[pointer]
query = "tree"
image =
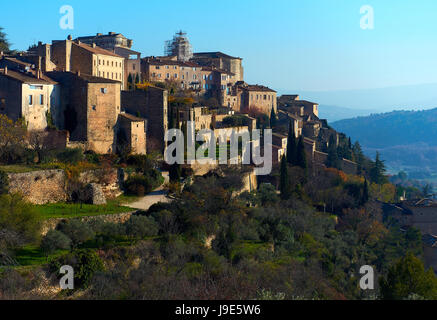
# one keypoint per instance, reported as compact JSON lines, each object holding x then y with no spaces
{"x":55,"y":240}
{"x":78,"y":231}
{"x":301,"y":159}
{"x":141,"y":227}
{"x":130,"y":81}
{"x":19,"y":218}
{"x":273,"y":119}
{"x":408,"y":277}
{"x":291,"y":146}
{"x":365,"y":195}
{"x":175,"y":172}
{"x":333,"y":160}
{"x":12,"y":137}
{"x":4,"y":43}
{"x":358,"y":157}
{"x":4,"y":183}
{"x":137,"y":79}
{"x":284,"y":186}
{"x":377,"y":172}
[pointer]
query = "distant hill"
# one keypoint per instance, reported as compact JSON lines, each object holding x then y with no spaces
{"x":406,"y":139}
{"x":335,"y":113}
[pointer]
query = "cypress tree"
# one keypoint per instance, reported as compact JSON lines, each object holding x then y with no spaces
{"x":273,"y":118}
{"x":333,"y":160}
{"x":365,"y":196}
{"x":377,"y":173}
{"x":284,"y":186}
{"x":137,"y":79}
{"x":291,"y":146}
{"x":301,"y":159}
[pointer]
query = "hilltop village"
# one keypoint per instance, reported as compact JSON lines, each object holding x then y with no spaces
{"x":96,"y":93}
{"x":84,"y":182}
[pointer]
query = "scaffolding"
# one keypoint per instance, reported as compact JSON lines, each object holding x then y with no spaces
{"x":179,"y":46}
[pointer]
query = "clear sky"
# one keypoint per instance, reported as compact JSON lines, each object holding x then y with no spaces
{"x":286,"y":44}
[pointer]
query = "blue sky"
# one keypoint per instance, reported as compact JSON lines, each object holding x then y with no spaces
{"x":309,"y":45}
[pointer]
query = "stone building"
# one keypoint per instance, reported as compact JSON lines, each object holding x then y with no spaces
{"x":120,"y":45}
{"x":187,"y":75}
{"x":23,"y":95}
{"x":222,"y":61}
{"x":89,"y":109}
{"x":134,"y":131}
{"x":254,"y":97}
{"x":150,"y":104}
{"x":75,"y":56}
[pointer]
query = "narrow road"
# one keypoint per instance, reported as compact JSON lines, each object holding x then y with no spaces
{"x":158,"y":195}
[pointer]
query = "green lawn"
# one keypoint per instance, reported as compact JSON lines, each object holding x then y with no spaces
{"x":28,"y":168}
{"x":33,"y":256}
{"x":64,"y":210}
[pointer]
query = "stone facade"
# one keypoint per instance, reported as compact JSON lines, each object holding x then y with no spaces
{"x":89,"y":110}
{"x":134,"y":130}
{"x":151,"y":104}
{"x":222,"y":61}
{"x":29,"y":97}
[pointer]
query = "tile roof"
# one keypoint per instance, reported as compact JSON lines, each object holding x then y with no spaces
{"x":132,"y":117}
{"x":258,"y":88}
{"x":214,"y":55}
{"x":164,"y":62}
{"x":96,"y":50}
{"x":86,"y":77}
{"x":27,"y":78}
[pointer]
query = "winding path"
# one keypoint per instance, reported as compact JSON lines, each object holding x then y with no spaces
{"x":158,"y":195}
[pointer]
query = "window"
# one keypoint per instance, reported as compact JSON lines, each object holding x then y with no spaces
{"x":210,"y":77}
{"x":153,"y":75}
{"x":30,"y":100}
{"x":133,"y":66}
{"x":100,"y":62}
{"x":176,"y":75}
{"x":167,"y":67}
{"x":183,"y":76}
{"x":168,"y":75}
{"x":175,"y":67}
{"x":112,"y":63}
{"x":157,"y":67}
{"x":265,"y":97}
{"x":41,"y":99}
{"x":94,"y":108}
{"x":194,"y":76}
{"x":103,"y":90}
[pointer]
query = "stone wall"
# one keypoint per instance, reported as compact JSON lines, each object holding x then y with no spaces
{"x":39,"y":187}
{"x":49,"y":186}
{"x":51,"y":224}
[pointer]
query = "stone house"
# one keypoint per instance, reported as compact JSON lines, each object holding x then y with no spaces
{"x":150,"y":104}
{"x":255,"y":97}
{"x":23,"y":95}
{"x":233,"y":65}
{"x":75,"y":56}
{"x":134,"y":130}
{"x":89,"y":109}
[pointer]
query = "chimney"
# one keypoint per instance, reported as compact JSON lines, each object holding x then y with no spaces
{"x":38,"y":74}
{"x":78,"y":73}
{"x":6,"y":69}
{"x":94,"y":45}
{"x":69,"y":37}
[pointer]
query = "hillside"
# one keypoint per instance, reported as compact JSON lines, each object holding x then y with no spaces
{"x":406,"y":139}
{"x":336,"y":113}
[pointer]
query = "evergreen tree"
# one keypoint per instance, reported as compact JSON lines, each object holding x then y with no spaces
{"x":407,"y":278}
{"x":4,"y":182}
{"x":301,"y":159}
{"x":365,"y":195}
{"x":358,"y":157}
{"x":284,"y":186}
{"x":4,"y":43}
{"x":130,"y":81}
{"x":291,"y":146}
{"x":273,"y":119}
{"x":377,"y":172}
{"x":175,"y":172}
{"x":137,"y":79}
{"x":333,"y":160}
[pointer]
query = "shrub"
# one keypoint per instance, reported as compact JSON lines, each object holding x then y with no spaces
{"x":141,"y":227}
{"x":55,"y":240}
{"x":4,"y":182}
{"x":72,"y":156}
{"x":78,"y":231}
{"x":138,"y":185}
{"x":85,"y":263}
{"x":19,"y":217}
